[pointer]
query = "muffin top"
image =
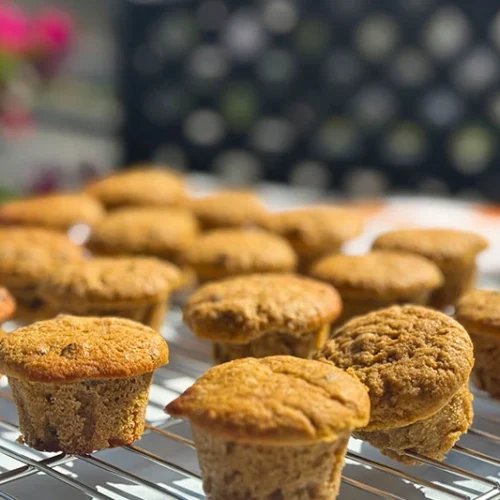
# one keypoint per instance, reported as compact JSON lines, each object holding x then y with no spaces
{"x":160,"y":232}
{"x":7,"y":304}
{"x":479,"y":312}
{"x":138,"y":187}
{"x":111,"y":280}
{"x":243,"y":308}
{"x":69,"y":348}
{"x":227,"y":209}
{"x":29,"y":253}
{"x":380,"y":274}
{"x":55,"y":211}
{"x":279,"y":400}
{"x":313,"y":230}
{"x":436,"y":244}
{"x":412,"y":359}
{"x":224,"y":252}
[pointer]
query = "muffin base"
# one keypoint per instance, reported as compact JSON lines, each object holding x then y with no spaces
{"x":459,"y":278}
{"x":81,"y":417}
{"x":485,"y":374}
{"x":258,"y":472}
{"x":272,"y":344}
{"x":432,"y":437}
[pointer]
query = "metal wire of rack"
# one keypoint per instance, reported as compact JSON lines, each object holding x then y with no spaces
{"x":163,"y":463}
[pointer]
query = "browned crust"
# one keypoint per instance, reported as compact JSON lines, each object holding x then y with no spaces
{"x":278,"y":400}
{"x":479,"y":312}
{"x":7,"y":304}
{"x":69,"y":348}
{"x":243,"y":308}
{"x":379,"y":274}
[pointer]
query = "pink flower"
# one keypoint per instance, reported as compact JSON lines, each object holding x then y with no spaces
{"x":14,"y":28}
{"x":51,"y":32}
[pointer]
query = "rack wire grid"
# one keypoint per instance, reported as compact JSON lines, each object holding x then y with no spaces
{"x":163,"y":463}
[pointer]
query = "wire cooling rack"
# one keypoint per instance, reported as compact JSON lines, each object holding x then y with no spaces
{"x":163,"y":463}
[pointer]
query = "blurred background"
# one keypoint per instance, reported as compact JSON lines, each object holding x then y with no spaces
{"x":361,"y":97}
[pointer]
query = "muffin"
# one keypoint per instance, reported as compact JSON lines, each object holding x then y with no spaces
{"x":137,"y":288}
{"x":234,"y":209}
{"x":270,"y":428}
{"x":416,"y":364}
{"x":315,"y":231}
{"x":262,"y":315}
{"x":377,"y":279}
{"x":479,"y":312}
{"x":81,"y":384}
{"x":138,"y":187}
{"x":228,"y":252}
{"x":7,"y":305}
{"x":27,"y":257}
{"x":55,"y":211}
{"x":454,"y":252}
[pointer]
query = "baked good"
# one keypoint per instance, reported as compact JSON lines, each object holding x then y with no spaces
{"x":315,"y":231}
{"x":27,"y":257}
{"x":81,"y":384}
{"x":7,"y":304}
{"x":413,"y":360}
{"x":138,"y":187}
{"x":479,"y":312}
{"x":227,"y":209}
{"x":377,"y":279}
{"x":137,"y":288}
{"x":58,"y":211}
{"x":221,"y":253}
{"x":262,"y":314}
{"x":453,"y":251}
{"x":282,"y":414}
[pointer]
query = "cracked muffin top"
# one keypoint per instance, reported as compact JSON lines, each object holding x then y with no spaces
{"x":227,"y":209}
{"x":316,"y":229}
{"x":479,"y":312}
{"x":279,"y":400}
{"x":380,"y":274}
{"x":439,"y":245}
{"x":69,"y":349}
{"x":55,"y":211}
{"x":160,"y":232}
{"x":111,"y":280}
{"x":32,"y":253}
{"x":7,"y":304}
{"x":412,"y":359}
{"x":225,"y":252}
{"x":138,"y":187}
{"x":243,"y":308}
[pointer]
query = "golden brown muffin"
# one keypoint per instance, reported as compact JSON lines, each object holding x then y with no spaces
{"x":413,"y":360}
{"x":27,"y":257}
{"x":137,"y":288}
{"x":7,"y":304}
{"x":263,"y":314}
{"x":282,"y":414}
{"x":454,"y":252}
{"x":228,"y":252}
{"x":377,"y":279}
{"x":227,"y":209}
{"x":315,"y":231}
{"x":56,"y":211}
{"x":479,"y":312}
{"x":138,"y":187}
{"x":81,"y":384}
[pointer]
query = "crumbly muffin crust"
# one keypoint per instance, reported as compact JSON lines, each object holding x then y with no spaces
{"x":439,"y":245}
{"x":227,"y":209}
{"x":138,"y":187}
{"x":479,"y":312}
{"x":279,"y":399}
{"x":55,"y":211}
{"x":411,"y":358}
{"x":380,"y":274}
{"x":7,"y":304}
{"x":225,"y":252}
{"x":160,"y":232}
{"x":111,"y":280}
{"x":70,"y":349}
{"x":244,"y":308}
